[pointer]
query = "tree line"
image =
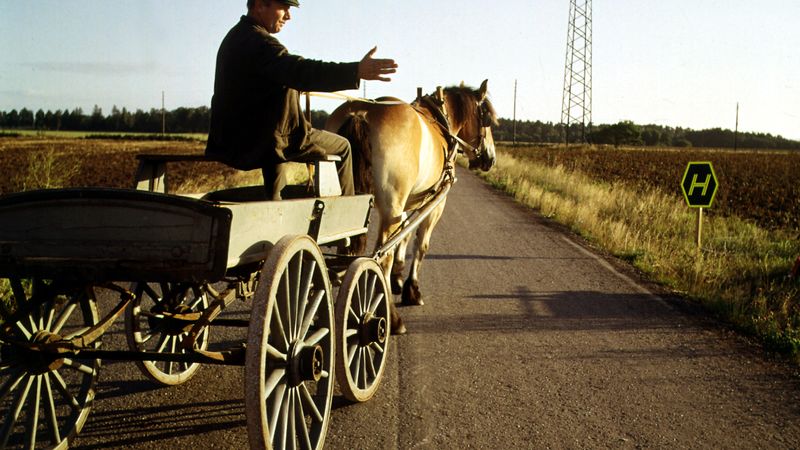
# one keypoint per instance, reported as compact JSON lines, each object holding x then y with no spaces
{"x":196,"y":120}
{"x":629,"y":133}
{"x":180,"y":120}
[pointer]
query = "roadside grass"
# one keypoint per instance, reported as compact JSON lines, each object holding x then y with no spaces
{"x":740,"y":273}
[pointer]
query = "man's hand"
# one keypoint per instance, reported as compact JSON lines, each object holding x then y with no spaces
{"x":374,"y":69}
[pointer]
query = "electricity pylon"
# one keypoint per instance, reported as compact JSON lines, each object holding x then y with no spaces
{"x":576,"y":102}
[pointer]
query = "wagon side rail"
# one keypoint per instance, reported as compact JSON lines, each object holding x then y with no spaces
{"x":112,"y":234}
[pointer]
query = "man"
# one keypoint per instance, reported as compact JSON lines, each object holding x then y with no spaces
{"x":256,"y":118}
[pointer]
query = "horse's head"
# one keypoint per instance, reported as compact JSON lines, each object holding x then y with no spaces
{"x":472,"y":118}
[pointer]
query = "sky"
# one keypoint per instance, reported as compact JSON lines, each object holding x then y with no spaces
{"x":677,"y":63}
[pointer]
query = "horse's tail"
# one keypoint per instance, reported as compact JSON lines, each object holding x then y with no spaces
{"x":356,"y":129}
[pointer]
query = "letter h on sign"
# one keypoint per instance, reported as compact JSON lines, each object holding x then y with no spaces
{"x":699,"y":194}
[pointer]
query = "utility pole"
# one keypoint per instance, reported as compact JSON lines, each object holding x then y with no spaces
{"x":163,"y":116}
{"x":514,"y":138}
{"x":736,"y":130}
{"x":576,"y":101}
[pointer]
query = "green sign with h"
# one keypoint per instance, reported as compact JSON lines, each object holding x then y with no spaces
{"x":699,"y":184}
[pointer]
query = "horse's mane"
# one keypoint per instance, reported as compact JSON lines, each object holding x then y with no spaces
{"x":464,"y":105}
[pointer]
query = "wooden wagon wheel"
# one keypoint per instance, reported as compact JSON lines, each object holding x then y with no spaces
{"x":150,"y":326}
{"x":44,"y":399}
{"x":290,"y":349}
{"x":362,"y":330}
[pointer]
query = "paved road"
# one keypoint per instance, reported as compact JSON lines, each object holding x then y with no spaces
{"x":527,"y":340}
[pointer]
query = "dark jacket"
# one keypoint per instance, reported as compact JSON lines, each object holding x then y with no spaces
{"x":256,"y":118}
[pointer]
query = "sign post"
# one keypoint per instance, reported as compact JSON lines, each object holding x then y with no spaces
{"x":699,"y":185}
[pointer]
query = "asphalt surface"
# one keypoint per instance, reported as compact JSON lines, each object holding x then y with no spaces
{"x":526,"y":340}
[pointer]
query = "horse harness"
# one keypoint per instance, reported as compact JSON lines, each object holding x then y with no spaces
{"x":435,"y":105}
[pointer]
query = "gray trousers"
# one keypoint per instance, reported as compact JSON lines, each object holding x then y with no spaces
{"x":319,"y":142}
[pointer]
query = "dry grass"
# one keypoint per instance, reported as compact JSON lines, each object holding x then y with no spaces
{"x":740,"y":272}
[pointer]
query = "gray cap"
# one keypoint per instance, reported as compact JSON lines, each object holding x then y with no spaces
{"x":294,"y":3}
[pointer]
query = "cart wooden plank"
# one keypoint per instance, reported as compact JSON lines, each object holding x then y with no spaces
{"x":112,"y":234}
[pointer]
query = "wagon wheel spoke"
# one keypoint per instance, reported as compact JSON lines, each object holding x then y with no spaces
{"x":304,"y":438}
{"x":10,"y":418}
{"x":61,"y":386}
{"x":65,"y":315}
{"x":312,"y":312}
{"x":79,"y":366}
{"x":150,"y":326}
{"x":304,"y":316}
{"x":362,"y":331}
{"x":33,"y":413}
{"x":51,"y":410}
{"x":23,"y":330}
{"x":317,"y":336}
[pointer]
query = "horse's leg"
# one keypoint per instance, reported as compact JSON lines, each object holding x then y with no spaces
{"x":399,"y":265}
{"x":387,"y":227}
{"x":411,"y":294}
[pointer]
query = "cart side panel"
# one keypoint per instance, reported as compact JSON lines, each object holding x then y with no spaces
{"x":112,"y":235}
{"x":344,"y":217}
{"x":258,"y":225}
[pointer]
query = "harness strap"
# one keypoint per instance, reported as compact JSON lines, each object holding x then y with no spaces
{"x":436,"y":107}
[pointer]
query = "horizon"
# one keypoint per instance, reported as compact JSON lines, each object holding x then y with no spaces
{"x":677,"y":65}
{"x":552,"y":123}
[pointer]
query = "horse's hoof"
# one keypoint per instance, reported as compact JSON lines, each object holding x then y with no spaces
{"x":397,"y":284}
{"x":411,"y":295}
{"x":399,"y":330}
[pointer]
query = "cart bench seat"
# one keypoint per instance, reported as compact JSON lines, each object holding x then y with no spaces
{"x":151,"y":175}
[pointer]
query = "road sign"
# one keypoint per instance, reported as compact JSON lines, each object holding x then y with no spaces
{"x":699,"y":184}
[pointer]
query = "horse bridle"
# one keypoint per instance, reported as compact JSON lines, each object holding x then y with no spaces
{"x":484,"y":122}
{"x":436,"y":106}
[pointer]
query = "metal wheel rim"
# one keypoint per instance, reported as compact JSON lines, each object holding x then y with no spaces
{"x":142,"y":337}
{"x":361,"y":362}
{"x":283,"y":411}
{"x":41,"y":406}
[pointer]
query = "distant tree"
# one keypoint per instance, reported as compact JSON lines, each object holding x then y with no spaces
{"x":96,"y":120}
{"x":114,"y":121}
{"x":651,"y":136}
{"x":39,"y":123}
{"x":25,"y":118}
{"x":49,"y":120}
{"x":622,"y":133}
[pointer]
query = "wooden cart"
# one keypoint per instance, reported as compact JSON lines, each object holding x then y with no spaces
{"x":174,"y":262}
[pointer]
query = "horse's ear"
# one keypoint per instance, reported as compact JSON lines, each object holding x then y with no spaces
{"x":484,"y":89}
{"x":462,"y":84}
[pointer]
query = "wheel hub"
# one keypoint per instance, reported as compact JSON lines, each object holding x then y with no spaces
{"x":172,"y":326}
{"x":373,"y":329}
{"x":40,"y":361}
{"x":307,"y":363}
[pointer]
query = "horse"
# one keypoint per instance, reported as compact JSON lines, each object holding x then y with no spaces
{"x":402,"y":153}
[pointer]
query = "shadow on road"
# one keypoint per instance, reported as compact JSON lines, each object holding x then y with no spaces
{"x":151,"y":424}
